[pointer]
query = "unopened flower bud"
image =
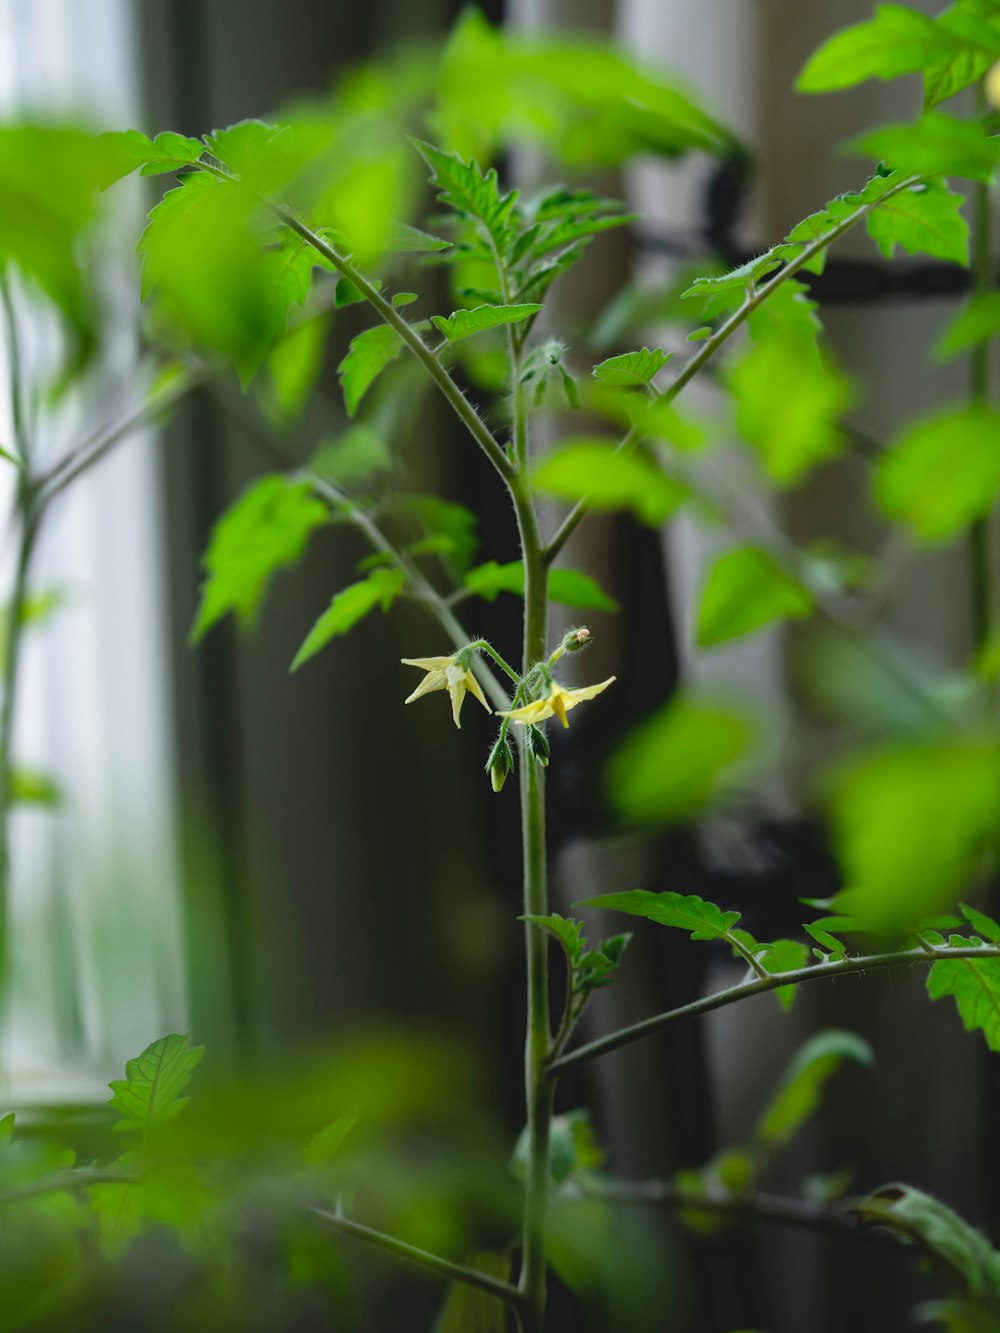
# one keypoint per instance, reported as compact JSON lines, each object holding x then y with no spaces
{"x":538,"y":744}
{"x":575,"y":639}
{"x":500,"y":763}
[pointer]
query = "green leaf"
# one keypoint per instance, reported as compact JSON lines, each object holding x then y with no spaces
{"x":981,"y":923}
{"x":128,"y":149}
{"x":451,"y":527}
{"x":566,"y":930}
{"x":632,"y":367}
{"x":353,"y":458}
{"x":368,"y":355}
{"x":410,"y":240}
{"x":380,"y":588}
{"x":788,"y":401}
{"x":977,"y":322}
{"x":265,"y":530}
{"x":169,"y":1193}
{"x":148,"y":1096}
{"x":784,"y":956}
{"x":974,"y":984}
{"x":942,"y":473}
{"x":31,"y":788}
{"x":936,"y":145}
{"x":799,"y":1092}
{"x":595,"y":471}
{"x":464,"y":323}
{"x":737,"y":281}
{"x":568,"y":586}
{"x":687,"y":912}
{"x":326,"y":1143}
{"x":910,"y":822}
{"x":745,"y":589}
{"x":677,"y":761}
{"x":293,"y":367}
{"x":573,"y":1147}
{"x":788,"y":312}
{"x":924,"y":219}
{"x":473,"y":194}
{"x":917,"y":1217}
{"x":896,"y":41}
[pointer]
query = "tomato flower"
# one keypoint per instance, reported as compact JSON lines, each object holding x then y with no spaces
{"x":556,"y":703}
{"x":447,"y":673}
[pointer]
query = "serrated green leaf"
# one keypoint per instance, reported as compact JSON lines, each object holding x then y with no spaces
{"x":632,"y":367}
{"x":977,"y":322}
{"x":464,"y":187}
{"x":368,"y":355}
{"x":129,"y":149}
{"x":981,"y":923}
{"x":677,"y":761}
{"x":798,"y":1094}
{"x":148,"y":1096}
{"x":265,"y":530}
{"x":607,"y":478}
{"x":405,"y":239}
{"x":464,"y":323}
{"x":746,"y":589}
{"x":380,"y":588}
{"x":784,"y":956}
{"x":788,"y":312}
{"x":924,"y":219}
{"x":788,"y":401}
{"x":896,"y":41}
{"x":909,"y":825}
{"x":974,"y":984}
{"x":687,"y":912}
{"x":942,"y":473}
{"x":736,"y":280}
{"x":568,"y":586}
{"x":936,"y":145}
{"x":566,"y":930}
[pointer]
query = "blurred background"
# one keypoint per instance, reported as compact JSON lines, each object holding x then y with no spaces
{"x":279,"y":863}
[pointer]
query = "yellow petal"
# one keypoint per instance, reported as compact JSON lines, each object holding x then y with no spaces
{"x":473,"y":686}
{"x":533,"y":712}
{"x":427,"y":663}
{"x":434,"y":680}
{"x":559,"y":701}
{"x":456,"y":688}
{"x":574,"y":697}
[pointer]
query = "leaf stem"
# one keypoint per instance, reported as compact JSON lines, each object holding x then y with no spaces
{"x":471,"y":1277}
{"x":773,"y":981}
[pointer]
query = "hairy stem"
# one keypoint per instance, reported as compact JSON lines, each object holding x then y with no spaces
{"x":800,"y":976}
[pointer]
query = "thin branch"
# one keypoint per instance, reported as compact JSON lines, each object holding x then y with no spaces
{"x":722,"y":335}
{"x":472,"y":1277}
{"x":775,"y":1209}
{"x":800,"y":976}
{"x":79,"y":1179}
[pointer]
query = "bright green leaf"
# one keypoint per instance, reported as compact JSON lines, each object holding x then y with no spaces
{"x":568,"y":586}
{"x":896,"y":41}
{"x":369,"y":354}
{"x":380,"y":588}
{"x":678,"y":761}
{"x":924,"y":219}
{"x":632,"y":367}
{"x":703,"y":920}
{"x":353,"y":458}
{"x":464,"y":323}
{"x":974,"y":984}
{"x":747,"y":588}
{"x":942,"y":473}
{"x":977,"y":322}
{"x":265,"y":530}
{"x":473,"y":194}
{"x":936,"y":145}
{"x":784,"y":956}
{"x":607,"y":478}
{"x":30,"y":788}
{"x":148,"y":1096}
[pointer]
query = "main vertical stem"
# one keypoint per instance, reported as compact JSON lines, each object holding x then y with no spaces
{"x":538,"y":1085}
{"x":980,"y":553}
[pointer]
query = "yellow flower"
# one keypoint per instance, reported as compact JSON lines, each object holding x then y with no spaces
{"x":557,"y":703}
{"x":446,"y":673}
{"x":992,"y":85}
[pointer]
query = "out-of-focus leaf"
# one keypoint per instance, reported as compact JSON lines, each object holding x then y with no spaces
{"x":607,"y":478}
{"x":800,"y":1090}
{"x":746,"y":589}
{"x":568,"y":586}
{"x":31,"y":788}
{"x":976,"y":323}
{"x":788,"y":401}
{"x":368,"y":355}
{"x":936,"y":145}
{"x":149,"y":1094}
{"x":380,"y":588}
{"x":942,"y":473}
{"x":678,"y":761}
{"x":910,"y":823}
{"x":573,"y":1147}
{"x":326,"y":1143}
{"x":450,"y":526}
{"x":353,"y":458}
{"x":896,"y":41}
{"x":292,"y":369}
{"x":265,"y":530}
